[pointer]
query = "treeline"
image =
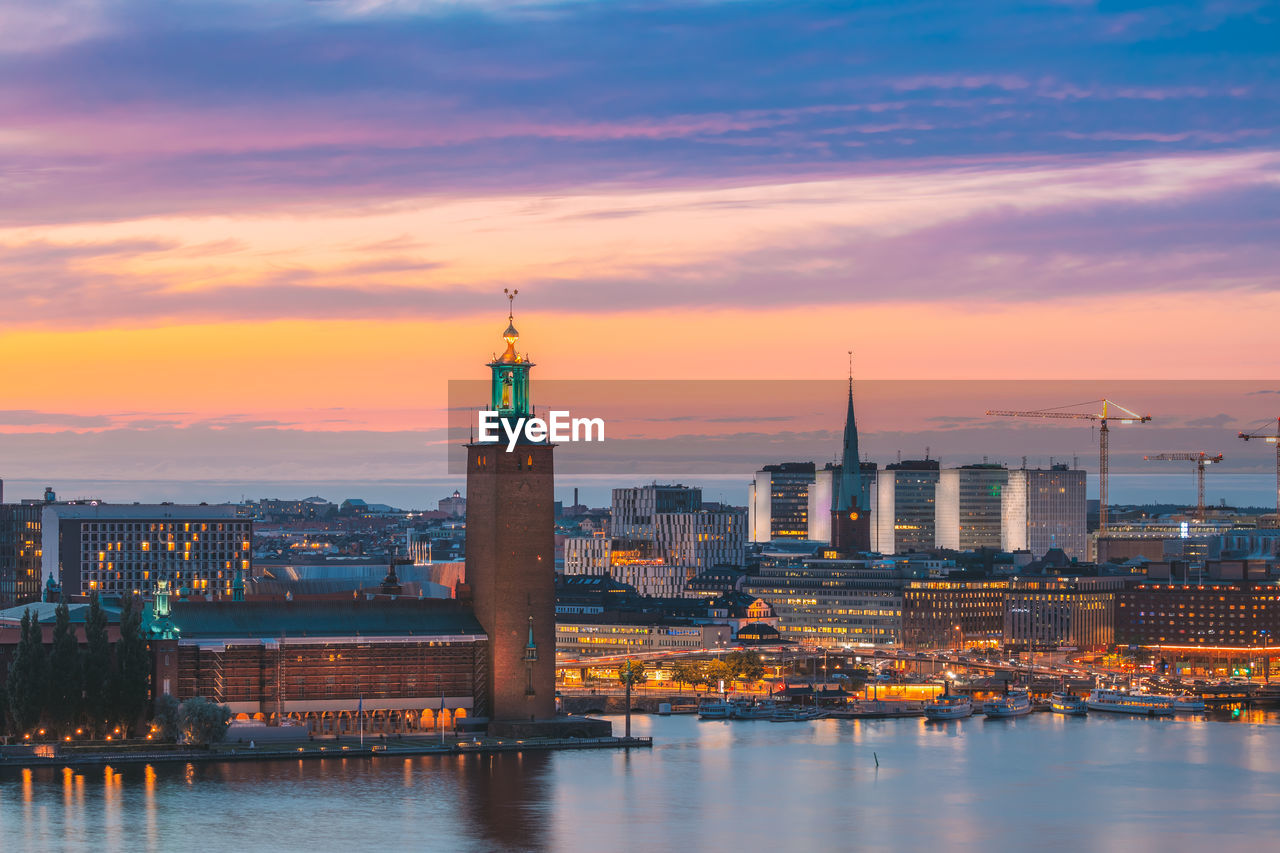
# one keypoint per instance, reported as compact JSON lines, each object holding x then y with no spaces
{"x":734,"y":666}
{"x":64,"y":687}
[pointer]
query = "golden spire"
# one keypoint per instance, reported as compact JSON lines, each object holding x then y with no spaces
{"x":510,"y":335}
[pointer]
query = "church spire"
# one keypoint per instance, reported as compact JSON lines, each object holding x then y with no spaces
{"x":850,"y":492}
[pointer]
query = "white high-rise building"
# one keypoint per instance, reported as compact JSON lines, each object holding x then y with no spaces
{"x":905,"y":506}
{"x":1045,"y":509}
{"x":779,"y":502}
{"x":968,"y":512}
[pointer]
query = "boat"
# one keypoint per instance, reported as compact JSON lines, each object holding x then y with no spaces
{"x":948,"y":706}
{"x":791,"y":715}
{"x":714,"y":709}
{"x":1067,"y":703}
{"x":1012,"y":704}
{"x":756,"y":711}
{"x":1124,"y":702}
{"x":1188,"y":704}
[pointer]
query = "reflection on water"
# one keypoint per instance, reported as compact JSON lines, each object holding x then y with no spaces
{"x":1042,"y":781}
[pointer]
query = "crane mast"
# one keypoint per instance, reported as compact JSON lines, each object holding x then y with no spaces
{"x":1202,"y":460}
{"x":1269,"y":438}
{"x":1110,"y":411}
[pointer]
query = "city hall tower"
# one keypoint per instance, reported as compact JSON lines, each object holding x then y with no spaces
{"x":510,"y":563}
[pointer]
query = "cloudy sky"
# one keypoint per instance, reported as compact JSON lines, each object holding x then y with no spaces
{"x":251,"y":242}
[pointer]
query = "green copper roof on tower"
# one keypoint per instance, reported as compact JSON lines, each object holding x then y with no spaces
{"x":510,"y":387}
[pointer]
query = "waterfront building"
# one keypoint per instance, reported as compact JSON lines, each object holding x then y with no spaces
{"x":969,"y":506}
{"x":125,"y":548}
{"x":953,"y":614}
{"x":584,"y":637}
{"x":1045,"y":509}
{"x":905,"y":512}
{"x":1076,"y":612}
{"x":835,"y":602}
{"x":778,"y":507}
{"x":408,"y":664}
{"x":1221,"y":607}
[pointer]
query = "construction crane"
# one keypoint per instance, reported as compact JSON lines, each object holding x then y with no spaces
{"x":1270,"y":438}
{"x":1108,"y":413}
{"x":1201,"y":459}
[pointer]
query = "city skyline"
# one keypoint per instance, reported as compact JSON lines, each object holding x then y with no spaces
{"x":299,"y":256}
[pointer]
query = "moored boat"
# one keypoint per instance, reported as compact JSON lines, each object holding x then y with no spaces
{"x":714,"y":709}
{"x":763,"y":710}
{"x":1067,"y":703}
{"x":948,"y":706}
{"x":1124,"y":702}
{"x":1012,"y":704}
{"x":1187,"y":704}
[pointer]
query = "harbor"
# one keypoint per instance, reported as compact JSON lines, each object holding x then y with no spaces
{"x":1176,"y":782}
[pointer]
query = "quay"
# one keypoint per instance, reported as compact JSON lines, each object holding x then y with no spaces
{"x":400,"y":748}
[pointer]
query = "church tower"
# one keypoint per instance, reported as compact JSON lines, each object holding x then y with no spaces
{"x":510,"y":564}
{"x":850,"y":512}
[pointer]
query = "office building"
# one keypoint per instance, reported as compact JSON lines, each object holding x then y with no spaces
{"x":938,"y":614}
{"x":1045,"y":509}
{"x":905,"y":512}
{"x":778,"y":507}
{"x":1074,"y":612}
{"x":583,"y":637}
{"x":969,"y":507}
{"x":835,"y":602}
{"x":126,"y":548}
{"x":659,"y":539}
{"x":636,"y":509}
{"x":20,"y":553}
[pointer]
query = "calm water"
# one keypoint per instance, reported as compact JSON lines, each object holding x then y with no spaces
{"x":1043,"y":781}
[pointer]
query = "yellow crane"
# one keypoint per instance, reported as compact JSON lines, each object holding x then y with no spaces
{"x":1270,"y":438}
{"x":1202,"y":460}
{"x":1111,"y":411}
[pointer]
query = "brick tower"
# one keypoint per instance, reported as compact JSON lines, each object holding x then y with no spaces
{"x":511,"y":551}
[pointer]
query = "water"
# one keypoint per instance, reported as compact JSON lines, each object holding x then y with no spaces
{"x":1042,"y":781}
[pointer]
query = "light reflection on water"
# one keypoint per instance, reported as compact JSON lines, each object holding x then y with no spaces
{"x":1044,"y":781}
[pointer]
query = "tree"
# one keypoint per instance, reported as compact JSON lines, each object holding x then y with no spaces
{"x":28,"y":683}
{"x":97,"y":668}
{"x":169,"y":717}
{"x":204,"y":722}
{"x":685,"y":672}
{"x":746,"y":666}
{"x":133,"y":667}
{"x":66,"y":674}
{"x":630,"y":674}
{"x":718,"y":671}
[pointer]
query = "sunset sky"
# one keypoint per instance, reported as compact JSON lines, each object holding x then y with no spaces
{"x":244,"y":246}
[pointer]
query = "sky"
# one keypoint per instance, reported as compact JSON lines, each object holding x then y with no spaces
{"x":247,"y":245}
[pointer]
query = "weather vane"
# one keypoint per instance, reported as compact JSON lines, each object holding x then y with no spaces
{"x":511,"y":299}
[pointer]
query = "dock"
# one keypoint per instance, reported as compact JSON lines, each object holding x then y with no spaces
{"x":317,"y":750}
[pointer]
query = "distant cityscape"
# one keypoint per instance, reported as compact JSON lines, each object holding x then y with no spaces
{"x":844,"y":558}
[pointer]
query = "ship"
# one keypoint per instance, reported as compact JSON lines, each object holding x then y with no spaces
{"x":1123,"y":702}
